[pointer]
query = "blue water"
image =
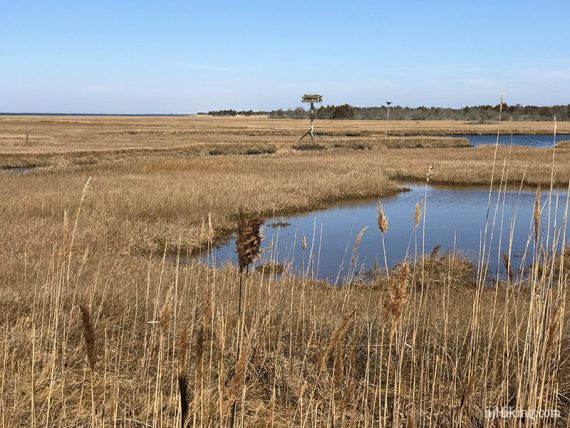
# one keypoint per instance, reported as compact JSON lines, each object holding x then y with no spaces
{"x":455,"y":220}
{"x":516,"y":140}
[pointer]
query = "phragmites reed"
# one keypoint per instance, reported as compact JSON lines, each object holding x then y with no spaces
{"x":552,"y":331}
{"x":65,"y":225}
{"x":417,"y":214}
{"x":466,"y":395}
{"x":357,"y":244}
{"x":183,"y":348}
{"x":537,"y":216}
{"x":336,"y":338}
{"x":248,"y":243}
{"x":85,"y":189}
{"x":397,"y":295}
{"x":507,"y":263}
{"x":358,"y":239}
{"x":248,"y":248}
{"x":429,"y":174}
{"x":88,"y":337}
{"x":382,"y":219}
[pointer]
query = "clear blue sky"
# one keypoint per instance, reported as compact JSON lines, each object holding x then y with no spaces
{"x":187,"y":56}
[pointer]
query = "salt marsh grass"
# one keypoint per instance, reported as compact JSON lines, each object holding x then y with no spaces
{"x":102,"y":325}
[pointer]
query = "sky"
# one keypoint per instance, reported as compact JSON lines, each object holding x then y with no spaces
{"x":190,"y":56}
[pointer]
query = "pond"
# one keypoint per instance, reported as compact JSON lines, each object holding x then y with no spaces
{"x":515,"y":140}
{"x":454,"y":220}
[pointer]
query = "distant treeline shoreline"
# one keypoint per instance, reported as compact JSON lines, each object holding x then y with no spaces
{"x":481,"y":113}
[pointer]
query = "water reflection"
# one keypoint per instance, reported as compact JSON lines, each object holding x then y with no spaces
{"x":455,"y":219}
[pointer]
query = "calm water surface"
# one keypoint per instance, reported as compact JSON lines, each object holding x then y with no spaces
{"x":517,"y":140}
{"x":455,"y":220}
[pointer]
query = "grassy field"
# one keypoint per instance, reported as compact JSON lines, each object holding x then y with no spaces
{"x":47,"y":133}
{"x":101,"y":326}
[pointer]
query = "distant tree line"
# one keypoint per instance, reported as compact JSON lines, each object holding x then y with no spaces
{"x":481,"y":113}
{"x":231,"y":112}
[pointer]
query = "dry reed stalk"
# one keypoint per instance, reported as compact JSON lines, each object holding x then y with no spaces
{"x":397,"y":296}
{"x":165,"y":317}
{"x":466,"y":395}
{"x":83,"y":196}
{"x":553,"y":331}
{"x":238,"y":380}
{"x":357,"y":244}
{"x":537,"y":216}
{"x":183,"y":348}
{"x":336,"y":337}
{"x":375,"y":267}
{"x":88,"y":337}
{"x":383,"y":227}
{"x":65,"y":225}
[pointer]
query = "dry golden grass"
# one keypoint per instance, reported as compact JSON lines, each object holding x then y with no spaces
{"x":61,"y":133}
{"x":47,"y":134}
{"x":98,"y":329}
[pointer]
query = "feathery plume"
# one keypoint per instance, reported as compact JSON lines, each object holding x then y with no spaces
{"x":417,"y":214}
{"x":358,"y":239}
{"x":430,"y":173}
{"x":85,"y":190}
{"x":382,"y":219}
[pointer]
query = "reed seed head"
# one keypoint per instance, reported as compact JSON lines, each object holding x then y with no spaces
{"x":382,"y":219}
{"x":417,"y":214}
{"x":248,"y":243}
{"x":85,"y":189}
{"x":359,"y":238}
{"x":430,"y":173}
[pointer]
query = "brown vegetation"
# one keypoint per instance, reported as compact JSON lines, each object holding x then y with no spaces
{"x":103,"y":324}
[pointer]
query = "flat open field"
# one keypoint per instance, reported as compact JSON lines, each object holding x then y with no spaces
{"x":73,"y":133}
{"x":425,"y":345}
